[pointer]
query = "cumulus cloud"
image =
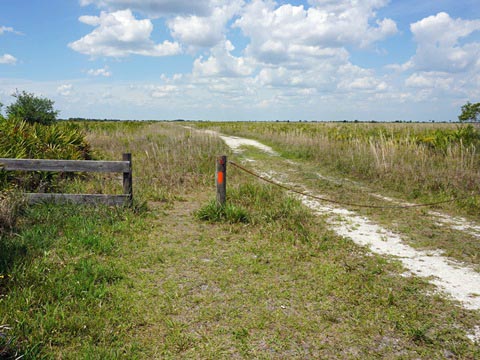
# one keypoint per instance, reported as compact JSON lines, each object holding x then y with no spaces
{"x":439,"y":45}
{"x":100,"y":72}
{"x":155,"y":8}
{"x":293,"y":53}
{"x":120,"y":34}
{"x":446,"y":61}
{"x":278,"y":33}
{"x":8,"y":59}
{"x":204,"y":31}
{"x":222,"y":63}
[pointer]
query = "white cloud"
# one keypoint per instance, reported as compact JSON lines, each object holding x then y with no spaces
{"x":279,"y":33}
{"x":120,"y":34}
{"x":100,"y":72}
{"x":207,"y":31}
{"x":155,"y":8}
{"x":438,"y":44}
{"x":164,"y":91}
{"x":293,"y":61}
{"x":4,"y":29}
{"x":65,"y":89}
{"x":222,"y":63}
{"x":8,"y":29}
{"x":8,"y":59}
{"x":446,"y":62}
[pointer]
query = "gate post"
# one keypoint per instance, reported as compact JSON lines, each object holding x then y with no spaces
{"x":128,"y":179}
{"x":221,"y":180}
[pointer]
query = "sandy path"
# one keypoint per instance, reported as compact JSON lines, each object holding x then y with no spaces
{"x":453,"y":278}
{"x":453,"y":222}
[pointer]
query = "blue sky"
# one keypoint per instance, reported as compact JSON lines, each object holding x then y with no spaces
{"x":244,"y":59}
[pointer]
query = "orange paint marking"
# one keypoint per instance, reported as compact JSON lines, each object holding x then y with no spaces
{"x":220,"y":177}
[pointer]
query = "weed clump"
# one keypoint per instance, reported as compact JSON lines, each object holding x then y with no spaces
{"x":11,"y":205}
{"x":230,"y":213}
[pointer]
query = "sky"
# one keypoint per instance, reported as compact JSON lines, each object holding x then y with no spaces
{"x":227,"y":60}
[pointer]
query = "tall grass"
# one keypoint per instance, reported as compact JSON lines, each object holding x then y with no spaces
{"x":428,"y":161}
{"x":168,"y":160}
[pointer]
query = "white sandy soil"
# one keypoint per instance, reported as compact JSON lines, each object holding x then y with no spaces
{"x":453,"y":278}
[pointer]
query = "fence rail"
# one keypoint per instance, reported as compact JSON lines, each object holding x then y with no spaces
{"x":64,"y":165}
{"x":124,"y":166}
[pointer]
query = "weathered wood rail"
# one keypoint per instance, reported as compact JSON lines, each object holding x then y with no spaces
{"x":124,"y":166}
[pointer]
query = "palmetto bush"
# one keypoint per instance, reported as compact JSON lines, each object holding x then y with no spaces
{"x":21,"y":140}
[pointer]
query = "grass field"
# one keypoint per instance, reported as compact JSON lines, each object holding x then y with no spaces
{"x":172,"y":279}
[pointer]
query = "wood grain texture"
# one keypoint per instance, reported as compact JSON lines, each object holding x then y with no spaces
{"x":64,"y":165}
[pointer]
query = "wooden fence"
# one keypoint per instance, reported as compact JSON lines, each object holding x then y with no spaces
{"x":124,"y":166}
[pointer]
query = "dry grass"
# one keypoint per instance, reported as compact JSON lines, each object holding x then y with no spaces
{"x":168,"y":160}
{"x":421,"y":161}
{"x":11,"y":205}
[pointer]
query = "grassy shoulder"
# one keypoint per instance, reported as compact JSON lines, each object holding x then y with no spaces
{"x":421,"y":162}
{"x":417,"y":226}
{"x":64,"y":280}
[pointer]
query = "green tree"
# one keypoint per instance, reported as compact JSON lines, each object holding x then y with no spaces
{"x":470,"y":112}
{"x":32,"y":109}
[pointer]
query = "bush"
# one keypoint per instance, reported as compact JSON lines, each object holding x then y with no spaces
{"x":470,"y":112}
{"x":21,"y":140}
{"x":32,"y":109}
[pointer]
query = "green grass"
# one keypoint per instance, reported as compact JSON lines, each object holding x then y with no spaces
{"x":214,"y":212}
{"x":100,"y":283}
{"x":419,"y":161}
{"x":61,"y":274}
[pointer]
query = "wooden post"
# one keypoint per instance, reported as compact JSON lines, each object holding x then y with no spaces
{"x":221,"y":179}
{"x":128,"y":178}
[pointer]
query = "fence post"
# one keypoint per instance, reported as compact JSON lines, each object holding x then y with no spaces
{"x":221,"y":179}
{"x":128,"y":179}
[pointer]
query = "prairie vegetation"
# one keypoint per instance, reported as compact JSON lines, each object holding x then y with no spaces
{"x":30,"y":131}
{"x":426,"y":162}
{"x":265,"y":279}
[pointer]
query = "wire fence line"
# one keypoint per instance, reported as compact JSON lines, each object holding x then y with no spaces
{"x":320,"y":198}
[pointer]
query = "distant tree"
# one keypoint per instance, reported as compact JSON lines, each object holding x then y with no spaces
{"x":470,"y":112}
{"x":32,"y":109}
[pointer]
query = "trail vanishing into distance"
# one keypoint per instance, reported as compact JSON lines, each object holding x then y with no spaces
{"x":456,"y":279}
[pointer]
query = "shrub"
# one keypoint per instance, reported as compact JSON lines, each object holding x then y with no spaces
{"x":470,"y":112}
{"x":32,"y":109}
{"x":21,"y":140}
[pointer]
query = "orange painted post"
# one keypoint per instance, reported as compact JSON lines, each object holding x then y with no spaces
{"x":221,"y":180}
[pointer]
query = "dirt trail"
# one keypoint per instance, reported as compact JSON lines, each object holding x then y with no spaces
{"x":453,"y":278}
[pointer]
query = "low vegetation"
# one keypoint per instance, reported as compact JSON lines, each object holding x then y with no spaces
{"x":427,"y":162}
{"x":30,"y":131}
{"x":177,"y":277}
